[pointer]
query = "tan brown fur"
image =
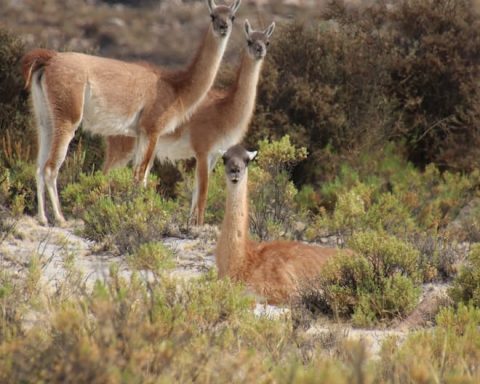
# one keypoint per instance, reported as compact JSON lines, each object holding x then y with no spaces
{"x":114,"y":97}
{"x":34,"y":60}
{"x":274,"y":270}
{"x":221,"y":121}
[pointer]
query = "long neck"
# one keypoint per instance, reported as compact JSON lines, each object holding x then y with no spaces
{"x":231,"y":246}
{"x":196,"y":80}
{"x":242,"y":95}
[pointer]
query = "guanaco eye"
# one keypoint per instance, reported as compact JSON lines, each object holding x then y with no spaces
{"x":233,"y":18}
{"x":267,"y":43}
{"x":249,"y":42}
{"x":212,"y":17}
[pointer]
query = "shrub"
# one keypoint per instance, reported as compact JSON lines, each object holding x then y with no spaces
{"x":362,"y":77}
{"x":466,"y":285}
{"x":166,"y":330}
{"x":17,"y":188}
{"x":152,"y":256}
{"x":434,"y":75}
{"x":378,"y":283}
{"x":18,"y":292}
{"x":117,"y":211}
{"x":15,"y":131}
{"x":446,"y":353}
{"x":273,"y":207}
{"x":383,"y":192}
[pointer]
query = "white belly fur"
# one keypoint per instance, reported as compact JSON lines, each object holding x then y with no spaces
{"x":174,"y":149}
{"x":225,"y":142}
{"x":101,"y":119}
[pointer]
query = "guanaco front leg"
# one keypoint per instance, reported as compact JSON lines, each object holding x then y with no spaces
{"x":199,"y":200}
{"x":202,"y":177}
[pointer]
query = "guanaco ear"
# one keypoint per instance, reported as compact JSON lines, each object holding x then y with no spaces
{"x":222,"y":153}
{"x":251,"y":155}
{"x":235,"y":6}
{"x":268,"y":32}
{"x":211,"y":5}
{"x":248,"y":28}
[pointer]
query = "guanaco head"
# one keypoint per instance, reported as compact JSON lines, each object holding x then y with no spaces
{"x":258,"y":41}
{"x":236,"y":160}
{"x":222,"y":17}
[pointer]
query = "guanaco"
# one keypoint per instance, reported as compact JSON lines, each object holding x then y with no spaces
{"x":221,"y":121}
{"x":111,"y":97}
{"x":273,"y":270}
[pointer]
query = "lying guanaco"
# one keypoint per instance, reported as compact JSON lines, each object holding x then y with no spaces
{"x":273,"y":270}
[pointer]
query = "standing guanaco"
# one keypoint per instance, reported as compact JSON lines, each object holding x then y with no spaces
{"x":221,"y":121}
{"x":111,"y":97}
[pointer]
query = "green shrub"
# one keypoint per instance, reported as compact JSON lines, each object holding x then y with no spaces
{"x":466,"y":285}
{"x":432,"y":211}
{"x":15,"y":128}
{"x":165,"y":330}
{"x":386,"y":254}
{"x":17,"y":188}
{"x":394,"y":298}
{"x":448,"y":353}
{"x":152,"y":257}
{"x":378,"y":283}
{"x":18,"y":292}
{"x":117,"y":211}
{"x":273,"y":207}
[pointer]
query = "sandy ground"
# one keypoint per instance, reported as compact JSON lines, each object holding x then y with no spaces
{"x":55,"y":246}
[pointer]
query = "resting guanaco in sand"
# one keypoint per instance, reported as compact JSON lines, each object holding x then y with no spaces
{"x":273,"y":270}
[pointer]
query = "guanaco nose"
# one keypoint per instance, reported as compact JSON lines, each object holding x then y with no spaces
{"x":235,"y":172}
{"x":223,"y":28}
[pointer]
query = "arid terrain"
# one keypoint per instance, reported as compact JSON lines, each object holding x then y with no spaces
{"x":56,"y":246}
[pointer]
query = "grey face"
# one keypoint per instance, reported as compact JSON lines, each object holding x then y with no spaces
{"x":236,"y":160}
{"x":258,"y":41}
{"x":222,"y":17}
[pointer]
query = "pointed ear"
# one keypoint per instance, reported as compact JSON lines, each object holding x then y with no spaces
{"x":252,"y":155}
{"x":222,"y":153}
{"x":211,"y":5}
{"x":248,"y":28}
{"x":268,"y":32}
{"x":235,"y":6}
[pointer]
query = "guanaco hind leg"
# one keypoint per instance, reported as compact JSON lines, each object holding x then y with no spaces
{"x":54,"y":136}
{"x":202,"y":177}
{"x":57,"y":154}
{"x":144,"y":156}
